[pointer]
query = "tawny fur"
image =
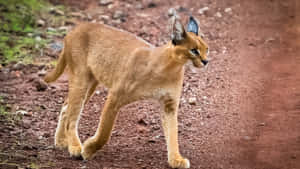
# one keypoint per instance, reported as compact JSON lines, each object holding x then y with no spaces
{"x":132,"y":69}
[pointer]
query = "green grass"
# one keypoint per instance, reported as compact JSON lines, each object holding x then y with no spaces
{"x":8,"y":116}
{"x":2,"y":108}
{"x":3,"y":112}
{"x":20,"y":38}
{"x":53,"y":63}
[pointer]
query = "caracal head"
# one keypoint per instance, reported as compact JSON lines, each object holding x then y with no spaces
{"x":187,"y":44}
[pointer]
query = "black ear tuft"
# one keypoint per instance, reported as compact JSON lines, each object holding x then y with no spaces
{"x":193,"y":26}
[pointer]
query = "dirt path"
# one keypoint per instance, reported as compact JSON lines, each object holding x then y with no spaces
{"x":247,"y":114}
{"x":277,"y":137}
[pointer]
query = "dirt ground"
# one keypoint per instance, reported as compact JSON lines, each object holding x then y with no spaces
{"x":247,"y":114}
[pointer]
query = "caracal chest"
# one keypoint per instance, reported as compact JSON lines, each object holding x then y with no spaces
{"x":148,"y":80}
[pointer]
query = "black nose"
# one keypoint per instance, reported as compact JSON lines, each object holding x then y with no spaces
{"x":204,"y":62}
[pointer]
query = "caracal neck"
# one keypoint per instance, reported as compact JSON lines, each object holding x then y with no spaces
{"x":167,"y":61}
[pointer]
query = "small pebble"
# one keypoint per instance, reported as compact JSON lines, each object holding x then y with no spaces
{"x":56,"y":12}
{"x":42,"y":72}
{"x":142,"y":121}
{"x":40,"y":85}
{"x":192,"y":100}
{"x":152,"y":5}
{"x":203,"y":10}
{"x":50,"y":29}
{"x":77,"y":15}
{"x":40,"y":23}
{"x":110,"y":6}
{"x":248,"y":138}
{"x":118,"y":14}
{"x":56,"y":46}
{"x":104,"y":17}
{"x":105,"y":2}
{"x":18,"y":66}
{"x":152,"y":140}
{"x":63,"y":28}
{"x":38,"y":38}
{"x":139,"y":6}
{"x":218,"y":14}
{"x":228,"y":10}
{"x":22,"y":112}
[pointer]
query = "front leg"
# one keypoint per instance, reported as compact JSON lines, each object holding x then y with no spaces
{"x":169,"y":123}
{"x":102,"y":135}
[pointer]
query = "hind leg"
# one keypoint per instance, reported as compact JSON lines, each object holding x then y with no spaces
{"x":61,"y":140}
{"x":66,"y":133}
{"x":78,"y":88}
{"x":60,"y":135}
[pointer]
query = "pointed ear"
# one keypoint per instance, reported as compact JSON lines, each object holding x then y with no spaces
{"x":193,"y":25}
{"x":178,"y":32}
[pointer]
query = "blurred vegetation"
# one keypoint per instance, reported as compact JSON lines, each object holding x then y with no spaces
{"x":20,"y":37}
{"x":5,"y":113}
{"x":8,"y":117}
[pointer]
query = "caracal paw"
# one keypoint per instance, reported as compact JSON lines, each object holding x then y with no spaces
{"x":179,"y":162}
{"x":75,"y":151}
{"x":60,"y":143}
{"x":89,"y":149}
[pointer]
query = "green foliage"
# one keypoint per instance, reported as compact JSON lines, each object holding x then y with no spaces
{"x":19,"y":48}
{"x":19,"y":15}
{"x":3,"y":112}
{"x":53,"y":63}
{"x":34,"y":165}
{"x":20,"y":38}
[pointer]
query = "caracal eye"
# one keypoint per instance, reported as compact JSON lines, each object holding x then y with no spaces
{"x":195,"y":51}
